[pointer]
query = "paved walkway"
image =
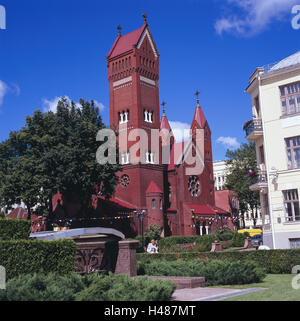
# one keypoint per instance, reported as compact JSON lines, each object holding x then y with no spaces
{"x":208,"y":294}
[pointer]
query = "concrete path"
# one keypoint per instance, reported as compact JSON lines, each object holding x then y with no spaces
{"x":209,"y":294}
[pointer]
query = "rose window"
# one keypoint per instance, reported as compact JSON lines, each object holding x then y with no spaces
{"x":194,"y":186}
{"x":125,"y":180}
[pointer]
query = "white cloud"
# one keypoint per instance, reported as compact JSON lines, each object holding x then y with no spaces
{"x":51,"y":105}
{"x":255,"y":15}
{"x":229,"y":142}
{"x":3,"y":91}
{"x":180,"y":130}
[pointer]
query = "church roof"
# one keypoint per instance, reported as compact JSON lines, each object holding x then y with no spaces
{"x":125,"y":43}
{"x":202,"y":209}
{"x":153,"y":188}
{"x":199,"y":117}
{"x":164,"y":123}
{"x":287,"y":62}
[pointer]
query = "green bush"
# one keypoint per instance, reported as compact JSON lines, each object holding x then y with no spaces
{"x":273,"y":261}
{"x":153,"y":232}
{"x":203,"y":242}
{"x":216,"y":272}
{"x":29,"y":256}
{"x":72,"y":287}
{"x":124,"y":288}
{"x":239,"y":239}
{"x":43,"y":287}
{"x":2,"y":214}
{"x":14,"y":229}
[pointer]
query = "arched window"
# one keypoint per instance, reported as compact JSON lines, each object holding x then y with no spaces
{"x":153,"y":204}
{"x":129,"y":61}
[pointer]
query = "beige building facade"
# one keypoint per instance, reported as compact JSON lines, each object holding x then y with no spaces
{"x":275,"y":129}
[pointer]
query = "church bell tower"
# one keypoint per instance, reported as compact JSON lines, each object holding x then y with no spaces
{"x":133,"y":74}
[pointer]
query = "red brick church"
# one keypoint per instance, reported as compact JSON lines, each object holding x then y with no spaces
{"x":152,"y":191}
{"x":180,"y":204}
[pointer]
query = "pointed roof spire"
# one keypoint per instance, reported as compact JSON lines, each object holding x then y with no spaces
{"x":145,"y":18}
{"x":163,"y":105}
{"x":199,"y":116}
{"x":164,"y":123}
{"x":197,"y":95}
{"x":119,"y":30}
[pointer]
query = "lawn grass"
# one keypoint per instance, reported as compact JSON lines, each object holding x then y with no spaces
{"x":278,"y":288}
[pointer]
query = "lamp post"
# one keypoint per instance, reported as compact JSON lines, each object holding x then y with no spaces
{"x":141,"y":218}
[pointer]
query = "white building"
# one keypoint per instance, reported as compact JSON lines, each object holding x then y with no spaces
{"x":275,"y":129}
{"x":220,"y":172}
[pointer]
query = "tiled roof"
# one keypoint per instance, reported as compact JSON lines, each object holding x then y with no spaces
{"x":153,"y":188}
{"x":287,"y":62}
{"x":164,"y":123}
{"x":117,"y":202}
{"x":126,"y":42}
{"x":199,"y":117}
{"x":201,"y":209}
{"x":21,"y":213}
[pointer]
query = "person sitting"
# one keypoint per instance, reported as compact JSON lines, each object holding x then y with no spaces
{"x":152,"y":247}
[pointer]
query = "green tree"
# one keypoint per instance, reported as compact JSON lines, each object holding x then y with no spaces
{"x":241,"y":174}
{"x":55,"y":151}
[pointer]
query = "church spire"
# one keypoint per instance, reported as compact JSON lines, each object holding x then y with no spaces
{"x":199,"y":117}
{"x":165,"y":127}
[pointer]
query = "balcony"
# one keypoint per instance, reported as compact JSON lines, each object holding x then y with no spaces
{"x":260,"y":182}
{"x":253,"y":129}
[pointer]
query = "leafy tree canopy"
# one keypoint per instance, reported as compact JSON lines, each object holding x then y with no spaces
{"x":241,"y":174}
{"x":55,"y":151}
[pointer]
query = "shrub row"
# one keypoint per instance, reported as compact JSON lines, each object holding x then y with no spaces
{"x":93,"y":287}
{"x":216,"y":272}
{"x":204,"y":242}
{"x":29,"y":256}
{"x":273,"y":261}
{"x":14,"y":229}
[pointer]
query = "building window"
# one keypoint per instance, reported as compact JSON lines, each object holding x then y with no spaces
{"x":290,"y":99}
{"x":153,"y":204}
{"x":148,"y":116}
{"x":294,"y":243}
{"x":124,"y":117}
{"x":160,"y":204}
{"x":149,"y":158}
{"x":125,"y":158}
{"x":291,"y":204}
{"x":293,"y":152}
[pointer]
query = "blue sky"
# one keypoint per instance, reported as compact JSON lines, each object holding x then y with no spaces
{"x":54,"y":48}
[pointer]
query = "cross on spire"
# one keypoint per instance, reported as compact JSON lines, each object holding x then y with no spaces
{"x":145,"y":17}
{"x":119,"y":30}
{"x":197,"y":95}
{"x":163,"y":105}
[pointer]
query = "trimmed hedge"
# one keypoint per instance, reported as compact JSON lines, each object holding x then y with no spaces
{"x":93,"y":287}
{"x":273,"y":261}
{"x":203,"y":242}
{"x":216,"y":272}
{"x":14,"y":229}
{"x":29,"y":256}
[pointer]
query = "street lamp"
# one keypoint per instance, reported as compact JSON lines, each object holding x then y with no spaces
{"x":141,"y":218}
